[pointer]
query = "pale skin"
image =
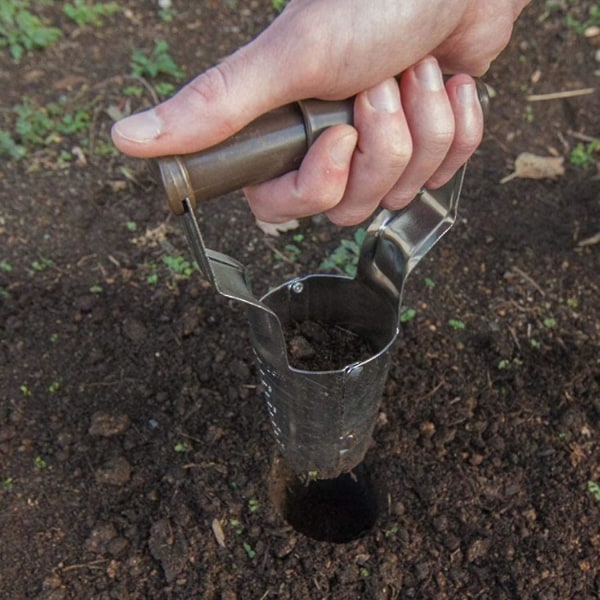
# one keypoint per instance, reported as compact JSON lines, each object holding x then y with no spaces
{"x":411,"y":128}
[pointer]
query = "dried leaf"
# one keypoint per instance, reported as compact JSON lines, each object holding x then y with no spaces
{"x":218,"y":531}
{"x":275,"y":229}
{"x":532,"y":166}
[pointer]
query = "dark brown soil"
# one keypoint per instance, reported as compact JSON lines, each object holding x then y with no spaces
{"x":315,"y":346}
{"x":136,"y":455}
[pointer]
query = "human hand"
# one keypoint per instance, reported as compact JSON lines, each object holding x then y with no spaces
{"x":406,"y":134}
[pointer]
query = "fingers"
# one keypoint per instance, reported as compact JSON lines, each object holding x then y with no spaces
{"x":468,"y":128}
{"x":316,"y":187}
{"x":431,"y":121}
{"x":413,"y":135}
{"x":383,"y":151}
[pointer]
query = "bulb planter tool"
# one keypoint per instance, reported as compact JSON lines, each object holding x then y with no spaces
{"x":322,"y":420}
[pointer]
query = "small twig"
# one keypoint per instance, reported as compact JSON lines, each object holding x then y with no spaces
{"x":529,"y":280}
{"x":560,"y":95}
{"x":590,"y":241}
{"x":581,"y":136}
{"x":147,"y":85}
{"x":278,"y":253}
{"x":95,"y":564}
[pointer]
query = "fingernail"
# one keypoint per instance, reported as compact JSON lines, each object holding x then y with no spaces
{"x":384,"y":97}
{"x":141,"y":127}
{"x":428,"y":73}
{"x":467,"y":94}
{"x":342,"y":150}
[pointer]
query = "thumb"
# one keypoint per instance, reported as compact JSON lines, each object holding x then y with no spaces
{"x":209,"y":109}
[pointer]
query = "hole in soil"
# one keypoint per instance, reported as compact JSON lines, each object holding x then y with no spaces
{"x":330,"y":510}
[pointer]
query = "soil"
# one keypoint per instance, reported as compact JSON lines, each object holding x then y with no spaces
{"x":315,"y":346}
{"x":136,"y":453}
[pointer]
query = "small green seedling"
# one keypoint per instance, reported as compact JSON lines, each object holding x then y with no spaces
{"x":237,"y":526}
{"x":21,"y":30}
{"x":594,"y":489}
{"x":5,"y":266}
{"x":585,"y":155}
{"x":40,"y":463}
{"x":159,"y":62}
{"x":392,"y":531}
{"x":183,"y":446}
{"x":581,"y":26}
{"x":86,"y":13}
{"x":8,"y":484}
{"x":407,"y":315}
{"x":278,"y":5}
{"x":456,"y":324}
{"x":179,"y":266}
{"x":42,"y":264}
{"x":549,"y":322}
{"x":25,"y":390}
{"x":345,"y":257}
{"x":253,"y":505}
{"x":505,"y":363}
{"x":248,"y":548}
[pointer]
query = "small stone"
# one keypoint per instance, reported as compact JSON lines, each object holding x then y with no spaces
{"x":477,"y":549}
{"x":116,"y":472}
{"x":135,"y":330}
{"x":99,"y":538}
{"x":301,"y":348}
{"x":105,"y":425}
{"x":117,"y":547}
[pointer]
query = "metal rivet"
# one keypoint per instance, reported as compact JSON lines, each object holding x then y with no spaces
{"x":297,"y":287}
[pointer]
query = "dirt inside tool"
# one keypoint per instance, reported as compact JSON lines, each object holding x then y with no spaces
{"x":317,"y":346}
{"x":135,"y":446}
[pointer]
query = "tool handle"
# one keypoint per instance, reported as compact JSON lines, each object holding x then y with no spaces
{"x":270,"y":146}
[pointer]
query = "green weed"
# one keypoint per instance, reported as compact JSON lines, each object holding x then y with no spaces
{"x":21,"y":30}
{"x":249,"y":551}
{"x":10,"y":148}
{"x":5,"y":266}
{"x":581,"y":25}
{"x":237,"y":526}
{"x":41,"y":126}
{"x":42,"y":264}
{"x":594,"y":489}
{"x":253,"y":505}
{"x":86,"y":13}
{"x":184,"y":446}
{"x":278,"y":5}
{"x":159,"y":62}
{"x":506,"y":364}
{"x":345,"y":257}
{"x":179,"y":266}
{"x":407,"y":315}
{"x":40,"y":463}
{"x":8,"y":484}
{"x":456,"y":324}
{"x":585,"y":155}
